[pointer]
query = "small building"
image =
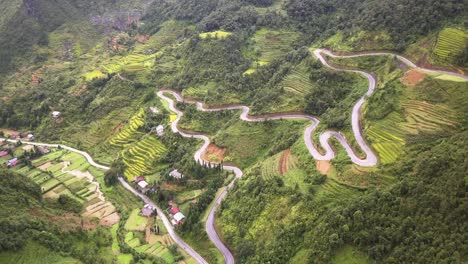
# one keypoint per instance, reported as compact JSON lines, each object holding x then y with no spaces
{"x":143,"y":185}
{"x":56,"y":114}
{"x":174,"y":210}
{"x":15,"y":134}
{"x":3,"y":153}
{"x":139,"y":179}
{"x":148,"y":211}
{"x":13,"y":162}
{"x":176,"y":174}
{"x":154,"y":110}
{"x":160,"y":130}
{"x":179,"y":218}
{"x":30,"y":137}
{"x":43,"y":150}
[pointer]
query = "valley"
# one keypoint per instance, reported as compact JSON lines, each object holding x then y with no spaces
{"x":295,"y":131}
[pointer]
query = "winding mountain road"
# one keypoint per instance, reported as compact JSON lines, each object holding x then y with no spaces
{"x":170,"y":229}
{"x":369,"y":160}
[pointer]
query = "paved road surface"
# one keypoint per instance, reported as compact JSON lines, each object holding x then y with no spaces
{"x":369,"y":160}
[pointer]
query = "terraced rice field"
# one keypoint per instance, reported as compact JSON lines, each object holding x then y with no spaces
{"x":451,"y":43}
{"x":332,"y":192}
{"x":220,"y":34}
{"x":96,"y":74}
{"x":139,"y":158}
{"x":270,"y":168}
{"x":297,"y":81}
{"x":425,"y":117}
{"x":135,"y":222}
{"x":129,"y":132}
{"x":62,"y":172}
{"x":273,"y":44}
{"x":387,"y":137}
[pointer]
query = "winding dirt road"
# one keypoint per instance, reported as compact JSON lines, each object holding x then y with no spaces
{"x":368,"y":161}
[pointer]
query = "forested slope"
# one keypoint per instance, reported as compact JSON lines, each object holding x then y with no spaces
{"x":100,"y":63}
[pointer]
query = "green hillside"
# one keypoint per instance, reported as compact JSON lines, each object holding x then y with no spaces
{"x":100,"y":64}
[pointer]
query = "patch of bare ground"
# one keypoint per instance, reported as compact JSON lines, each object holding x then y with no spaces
{"x":323,"y":166}
{"x":45,"y":166}
{"x":412,"y":78}
{"x":283,"y":162}
{"x":213,"y":153}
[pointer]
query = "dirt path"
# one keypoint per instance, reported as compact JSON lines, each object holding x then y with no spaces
{"x":283,"y":162}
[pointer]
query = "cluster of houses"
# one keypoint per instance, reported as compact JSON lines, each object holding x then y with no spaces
{"x":176,"y":216}
{"x":22,"y":136}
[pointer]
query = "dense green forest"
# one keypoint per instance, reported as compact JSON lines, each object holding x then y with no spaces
{"x":100,"y":64}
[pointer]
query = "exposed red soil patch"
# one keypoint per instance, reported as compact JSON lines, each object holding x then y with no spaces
{"x":142,"y":38}
{"x":110,"y":220}
{"x":323,"y":166}
{"x":412,"y":78}
{"x":213,"y":153}
{"x":283,"y":162}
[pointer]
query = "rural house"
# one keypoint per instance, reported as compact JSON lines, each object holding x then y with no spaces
{"x":148,"y":211}
{"x":179,"y":218}
{"x":154,"y":110}
{"x":176,"y":174}
{"x":160,"y":130}
{"x":143,"y":185}
{"x":12,"y":162}
{"x":56,"y":114}
{"x":3,"y":153}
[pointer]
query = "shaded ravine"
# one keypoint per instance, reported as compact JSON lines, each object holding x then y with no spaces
{"x":368,"y":161}
{"x":170,"y":229}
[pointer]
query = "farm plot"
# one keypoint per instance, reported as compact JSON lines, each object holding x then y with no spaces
{"x":387,"y":137}
{"x":139,"y":158}
{"x":129,"y":132}
{"x":425,"y":117}
{"x":450,"y":44}
{"x":62,"y":172}
{"x":269,"y":167}
{"x":298,"y":81}
{"x":273,"y":44}
{"x":219,"y":34}
{"x":155,"y":245}
{"x":136,"y":222}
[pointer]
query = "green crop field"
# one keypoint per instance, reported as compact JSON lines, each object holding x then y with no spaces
{"x":270,"y":167}
{"x":129,"y":132}
{"x":139,"y":158}
{"x":220,"y":34}
{"x":450,"y":44}
{"x":271,"y":45}
{"x":298,"y":81}
{"x":136,"y":222}
{"x":425,"y":117}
